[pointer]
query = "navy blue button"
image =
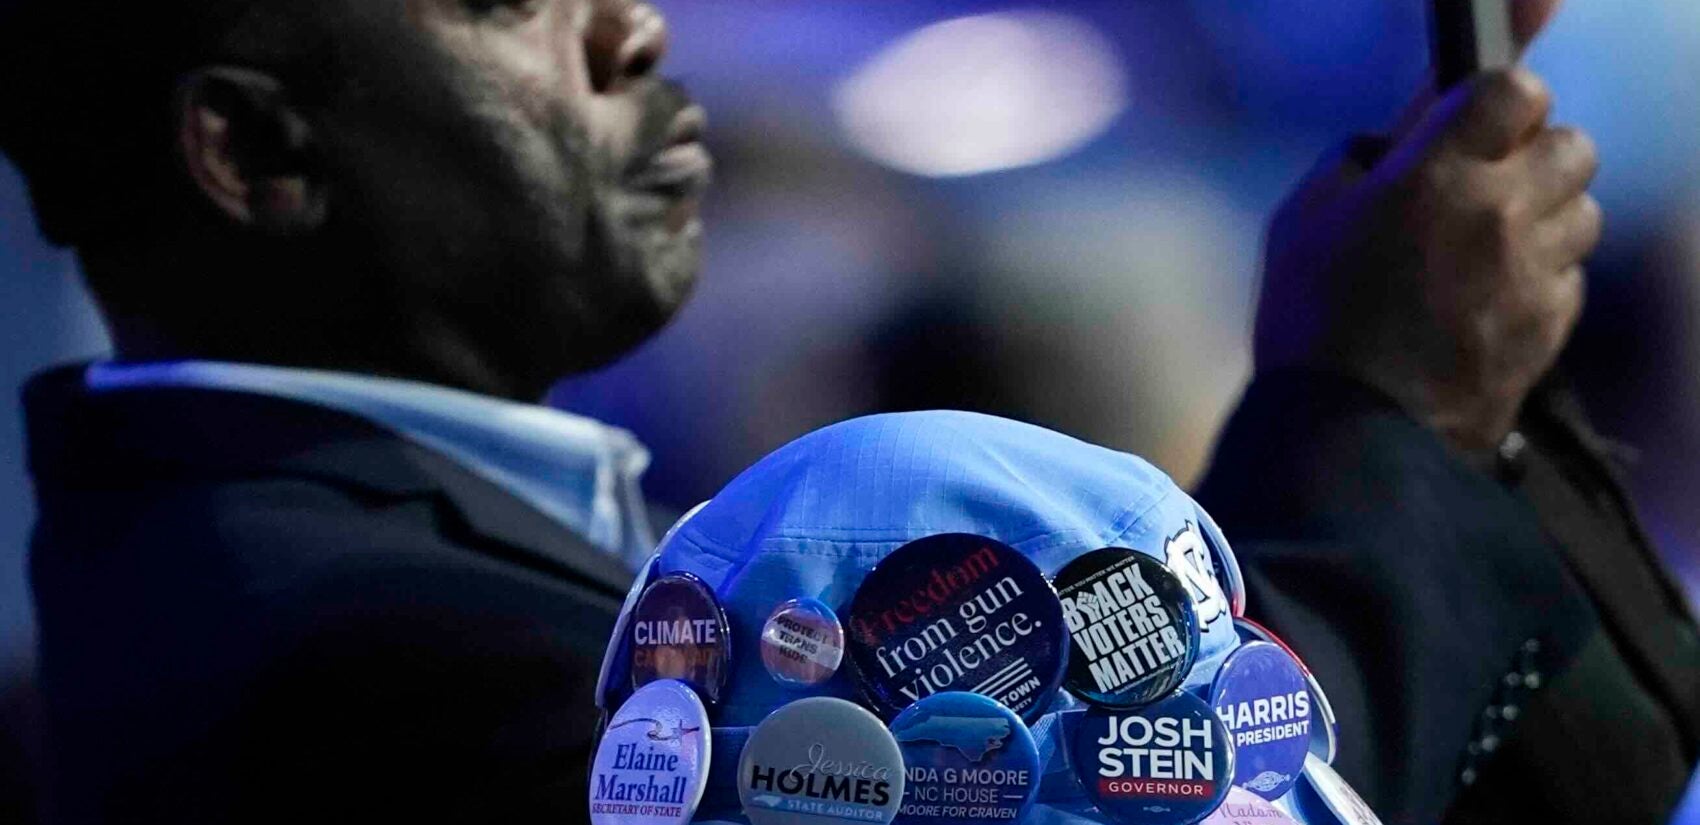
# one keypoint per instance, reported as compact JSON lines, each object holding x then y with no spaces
{"x":1132,"y":624}
{"x":1169,"y":763}
{"x":957,"y":612}
{"x":679,"y":631}
{"x":1325,"y":727}
{"x":1264,"y":702}
{"x":969,"y":760}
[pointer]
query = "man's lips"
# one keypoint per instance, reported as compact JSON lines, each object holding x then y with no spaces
{"x":683,"y":166}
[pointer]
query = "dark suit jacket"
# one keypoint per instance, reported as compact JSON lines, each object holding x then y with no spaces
{"x":254,"y":610}
{"x":1499,"y":649}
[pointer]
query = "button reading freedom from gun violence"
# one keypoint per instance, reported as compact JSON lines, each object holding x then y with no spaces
{"x":957,"y":612}
{"x":802,"y":643}
{"x":820,"y":761}
{"x":1324,"y":737}
{"x":679,"y":631}
{"x":1264,"y":702}
{"x":969,"y":760}
{"x":1134,"y":631}
{"x":652,"y":763}
{"x":1167,"y":764}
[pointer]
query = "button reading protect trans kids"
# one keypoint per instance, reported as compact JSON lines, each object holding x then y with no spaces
{"x":652,"y":762}
{"x":1264,"y":702}
{"x":1133,"y":627}
{"x":679,"y":631}
{"x":821,"y":761}
{"x":802,"y":643}
{"x":1169,"y":763}
{"x":969,"y":760}
{"x":957,"y":612}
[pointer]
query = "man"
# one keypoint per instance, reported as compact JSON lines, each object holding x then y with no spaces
{"x":303,"y":554}
{"x":1423,"y":513}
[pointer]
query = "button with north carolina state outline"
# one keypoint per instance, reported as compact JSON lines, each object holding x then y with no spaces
{"x":1169,"y":763}
{"x":1264,"y":702}
{"x":969,"y":760}
{"x":1134,"y":633}
{"x":957,"y":612}
{"x":820,"y":761}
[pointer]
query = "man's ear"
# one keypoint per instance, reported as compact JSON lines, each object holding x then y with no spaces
{"x":248,"y":151}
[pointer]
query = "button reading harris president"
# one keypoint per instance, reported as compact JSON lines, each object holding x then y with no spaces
{"x":652,"y":763}
{"x":969,"y":761}
{"x":957,"y":612}
{"x":1169,"y":763}
{"x":820,"y":761}
{"x":1135,"y":633}
{"x":1264,"y":702}
{"x":679,"y":631}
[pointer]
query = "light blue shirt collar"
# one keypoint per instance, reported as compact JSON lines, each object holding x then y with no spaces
{"x":582,"y":473}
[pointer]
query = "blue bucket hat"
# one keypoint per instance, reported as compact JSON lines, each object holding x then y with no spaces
{"x":813,"y":518}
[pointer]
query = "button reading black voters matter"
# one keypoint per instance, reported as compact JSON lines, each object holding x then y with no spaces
{"x":652,"y":763}
{"x":1169,"y":763}
{"x":802,"y":643}
{"x":820,"y":761}
{"x":1263,"y":700}
{"x":1325,"y":732}
{"x":957,"y":612}
{"x":679,"y":631}
{"x":969,"y":761}
{"x":1134,"y":631}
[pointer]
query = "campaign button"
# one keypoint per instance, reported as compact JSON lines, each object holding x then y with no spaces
{"x":802,"y":643}
{"x":614,"y":681}
{"x":652,"y":764}
{"x":1169,"y":763}
{"x":679,"y":631}
{"x":968,"y":760}
{"x":1264,"y":702}
{"x":1325,"y":735}
{"x":821,"y":761}
{"x":957,"y":612}
{"x":1323,"y":794}
{"x":1132,"y":624}
{"x":1243,"y":807}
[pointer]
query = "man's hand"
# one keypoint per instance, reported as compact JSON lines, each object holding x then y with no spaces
{"x":1446,"y":272}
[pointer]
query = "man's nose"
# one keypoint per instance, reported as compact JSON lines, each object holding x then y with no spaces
{"x":625,"y":41}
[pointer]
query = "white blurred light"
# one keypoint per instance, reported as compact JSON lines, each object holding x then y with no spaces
{"x":985,"y":93}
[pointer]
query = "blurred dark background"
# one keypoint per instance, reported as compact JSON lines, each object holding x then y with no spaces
{"x":1059,"y":221}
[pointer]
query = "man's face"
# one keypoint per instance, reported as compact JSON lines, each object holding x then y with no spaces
{"x":522,"y":178}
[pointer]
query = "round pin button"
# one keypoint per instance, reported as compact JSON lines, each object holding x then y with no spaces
{"x":652,"y":764}
{"x":1324,"y":794}
{"x":802,"y":643}
{"x":1169,"y":763}
{"x":1132,"y":624}
{"x":820,"y":761}
{"x":957,"y":612}
{"x":1243,"y":807}
{"x":968,"y":760}
{"x":1324,"y":737}
{"x":1264,"y":702}
{"x":679,"y":631}
{"x":614,"y":681}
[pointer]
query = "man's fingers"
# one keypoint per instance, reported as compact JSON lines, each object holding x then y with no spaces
{"x":1571,"y":234}
{"x":1529,"y":17}
{"x":1561,"y":164}
{"x":1499,"y":113}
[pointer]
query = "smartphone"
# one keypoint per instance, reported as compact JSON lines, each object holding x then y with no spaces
{"x":1468,"y":37}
